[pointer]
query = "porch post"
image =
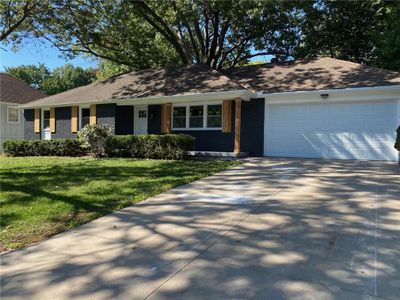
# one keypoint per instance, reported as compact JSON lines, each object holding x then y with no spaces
{"x":238,"y":118}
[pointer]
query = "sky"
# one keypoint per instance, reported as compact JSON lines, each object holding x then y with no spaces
{"x":34,"y":53}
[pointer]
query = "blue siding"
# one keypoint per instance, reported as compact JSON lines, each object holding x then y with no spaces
{"x":105,"y":114}
{"x":213,"y":140}
{"x":124,"y":120}
{"x":252,"y":130}
{"x":29,"y":129}
{"x":120,"y":119}
{"x":154,"y":119}
{"x":63,"y":123}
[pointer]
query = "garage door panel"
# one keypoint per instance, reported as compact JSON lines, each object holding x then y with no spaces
{"x":363,"y":130}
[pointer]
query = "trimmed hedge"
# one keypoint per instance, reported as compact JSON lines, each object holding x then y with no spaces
{"x":397,"y":145}
{"x":57,"y":147}
{"x":169,"y":146}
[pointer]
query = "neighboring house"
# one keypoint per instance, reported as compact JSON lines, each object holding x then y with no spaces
{"x":14,"y":92}
{"x":314,"y":108}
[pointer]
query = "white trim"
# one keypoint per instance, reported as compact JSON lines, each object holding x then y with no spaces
{"x":44,"y":130}
{"x":136,"y":109}
{"x":226,"y":95}
{"x":336,"y":91}
{"x":343,"y":95}
{"x":18,"y":115}
{"x":187,"y":117}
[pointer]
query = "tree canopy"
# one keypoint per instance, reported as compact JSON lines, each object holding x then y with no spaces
{"x":140,"y":34}
{"x":59,"y":80}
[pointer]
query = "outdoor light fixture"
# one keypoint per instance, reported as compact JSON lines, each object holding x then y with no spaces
{"x":324,"y":96}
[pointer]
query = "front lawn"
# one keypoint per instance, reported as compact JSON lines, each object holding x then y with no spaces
{"x":42,"y":196}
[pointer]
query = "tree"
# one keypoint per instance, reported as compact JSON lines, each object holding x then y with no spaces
{"x":31,"y":74}
{"x":139,"y":34}
{"x":143,"y":34}
{"x":107,"y":69}
{"x":67,"y":77}
{"x":15,"y":15}
{"x":59,"y":80}
{"x":387,"y":50}
{"x":349,"y":30}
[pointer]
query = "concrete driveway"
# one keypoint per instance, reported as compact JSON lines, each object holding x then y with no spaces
{"x":268,"y":229}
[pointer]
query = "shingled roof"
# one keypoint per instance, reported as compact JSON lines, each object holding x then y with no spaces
{"x":315,"y":74}
{"x":184,"y":80}
{"x":13,"y":90}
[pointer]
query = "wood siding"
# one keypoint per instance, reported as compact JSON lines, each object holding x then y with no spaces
{"x":93,"y":114}
{"x":74,"y":119}
{"x":226,"y":115}
{"x":166,"y":118}
{"x":52,"y":120}
{"x":37,"y":121}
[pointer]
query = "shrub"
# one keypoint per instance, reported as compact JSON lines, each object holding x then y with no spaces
{"x":94,"y":137}
{"x":397,"y":145}
{"x":58,"y":147}
{"x":169,"y":146}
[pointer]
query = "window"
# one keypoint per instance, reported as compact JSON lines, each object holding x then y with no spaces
{"x":85,"y":117}
{"x":12,"y":114}
{"x":196,"y":117}
{"x":179,"y":117}
{"x":143,"y":113}
{"x":214,"y":116}
{"x":46,"y":119}
{"x":205,"y":116}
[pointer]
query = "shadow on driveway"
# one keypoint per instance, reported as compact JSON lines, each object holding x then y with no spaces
{"x":268,"y":229}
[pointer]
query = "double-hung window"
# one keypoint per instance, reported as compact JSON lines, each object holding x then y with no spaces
{"x":12,"y":114}
{"x":46,"y":119}
{"x":204,"y":116}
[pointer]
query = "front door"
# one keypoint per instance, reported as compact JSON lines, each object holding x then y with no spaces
{"x":140,"y":122}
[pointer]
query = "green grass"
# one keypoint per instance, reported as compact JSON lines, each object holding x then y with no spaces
{"x":42,"y":196}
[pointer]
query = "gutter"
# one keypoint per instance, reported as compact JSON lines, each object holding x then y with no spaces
{"x":224,"y":95}
{"x":335,"y":91}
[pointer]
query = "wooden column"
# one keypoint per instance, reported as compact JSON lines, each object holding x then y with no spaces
{"x":74,"y":119}
{"x":37,"y":120}
{"x":52,"y":120}
{"x":238,"y":119}
{"x":226,"y":115}
{"x":93,"y":118}
{"x":166,"y":118}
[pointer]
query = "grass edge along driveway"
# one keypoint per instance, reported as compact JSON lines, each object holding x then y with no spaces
{"x":43,"y":196}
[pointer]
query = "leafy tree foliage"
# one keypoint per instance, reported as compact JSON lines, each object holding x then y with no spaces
{"x":363,"y":31}
{"x":107,"y":69}
{"x":60,"y":79}
{"x":140,"y":34}
{"x":17,"y":14}
{"x":388,"y":40}
{"x":33,"y":75}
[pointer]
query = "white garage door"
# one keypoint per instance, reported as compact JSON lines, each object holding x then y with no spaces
{"x":358,"y":130}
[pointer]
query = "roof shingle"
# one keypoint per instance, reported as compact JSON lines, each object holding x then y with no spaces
{"x":13,"y":90}
{"x":314,"y":74}
{"x":184,"y":80}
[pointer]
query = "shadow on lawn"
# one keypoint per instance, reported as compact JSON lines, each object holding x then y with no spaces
{"x":270,"y":230}
{"x":121,"y":185}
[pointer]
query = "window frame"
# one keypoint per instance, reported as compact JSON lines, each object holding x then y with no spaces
{"x":18,"y":115}
{"x":42,"y":119}
{"x":187,"y":117}
{"x":80,"y":115}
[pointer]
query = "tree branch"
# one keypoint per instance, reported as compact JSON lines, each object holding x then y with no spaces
{"x":158,"y":23}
